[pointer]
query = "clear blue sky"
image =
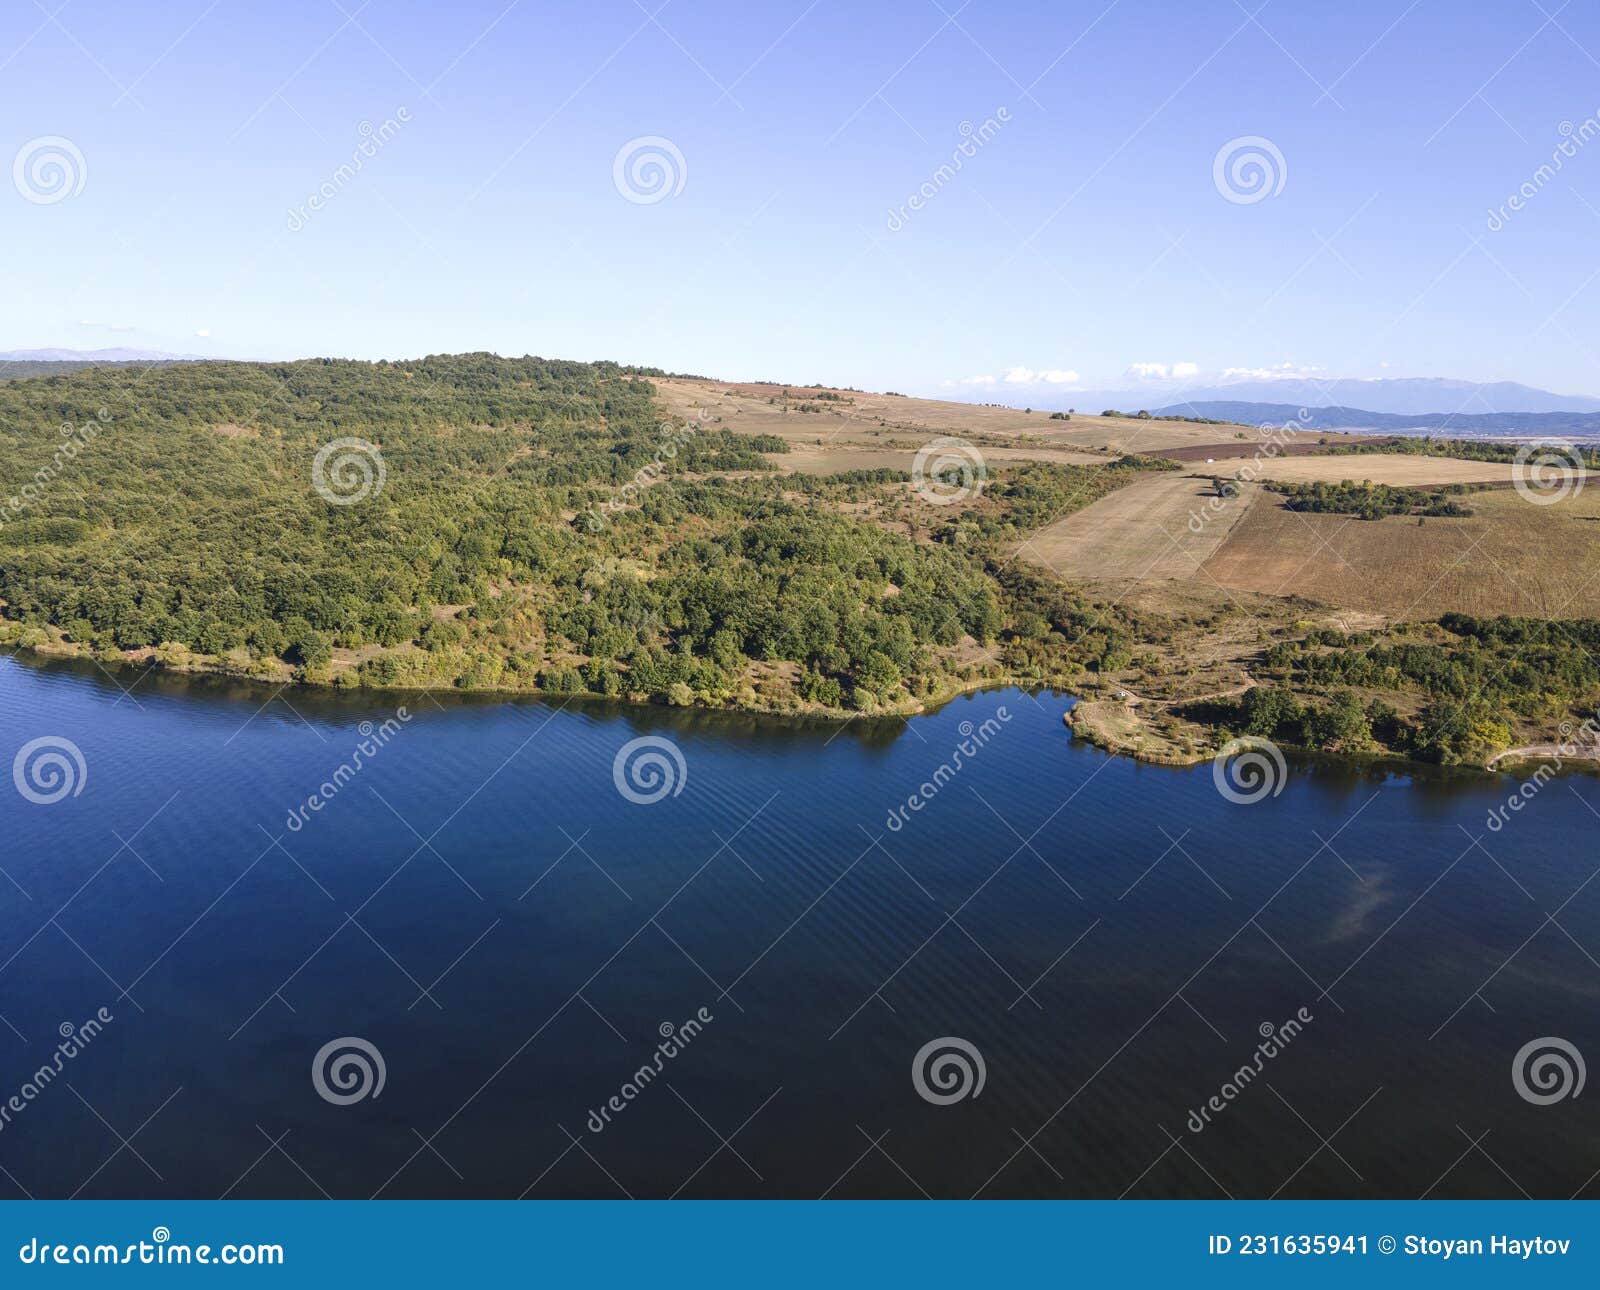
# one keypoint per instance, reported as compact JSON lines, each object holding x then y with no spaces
{"x":1085,"y":236}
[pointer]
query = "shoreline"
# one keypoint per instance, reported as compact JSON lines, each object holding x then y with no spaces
{"x":840,"y":717}
{"x":1087,"y":720}
{"x":1086,"y":717}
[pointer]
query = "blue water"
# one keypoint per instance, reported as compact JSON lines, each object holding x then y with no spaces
{"x":484,"y":907}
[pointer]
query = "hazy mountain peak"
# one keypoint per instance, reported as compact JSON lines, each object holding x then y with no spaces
{"x":1404,"y":396}
{"x":95,"y":356}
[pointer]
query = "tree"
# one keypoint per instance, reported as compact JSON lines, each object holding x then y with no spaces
{"x":1342,"y":725}
{"x":310,"y":649}
{"x":878,"y":674}
{"x":1454,"y":732}
{"x":1269,"y":711}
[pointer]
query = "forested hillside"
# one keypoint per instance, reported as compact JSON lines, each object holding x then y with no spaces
{"x":493,"y":523}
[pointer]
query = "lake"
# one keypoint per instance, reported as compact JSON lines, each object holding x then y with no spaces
{"x":307,"y":946}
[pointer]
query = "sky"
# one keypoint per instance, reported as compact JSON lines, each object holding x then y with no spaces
{"x":978,"y":202}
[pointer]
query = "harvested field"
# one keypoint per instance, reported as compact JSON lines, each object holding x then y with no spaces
{"x":1509,"y":557}
{"x":1241,"y":450}
{"x":806,"y":457}
{"x":1141,"y":532}
{"x":1385,"y":468}
{"x":859,"y":419}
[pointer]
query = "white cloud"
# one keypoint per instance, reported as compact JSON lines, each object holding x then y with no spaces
{"x":1049,"y":376}
{"x":1163,"y":371}
{"x":973,"y":380}
{"x":1283,"y":371}
{"x":204,"y":333}
{"x":104,"y":326}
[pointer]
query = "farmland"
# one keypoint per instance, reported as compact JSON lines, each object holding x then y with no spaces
{"x":1508,"y":557}
{"x":1399,"y":471}
{"x":838,"y":425}
{"x":1237,"y":577}
{"x":1142,"y":532}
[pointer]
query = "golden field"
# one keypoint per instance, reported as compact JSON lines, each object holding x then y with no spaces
{"x":1509,"y":557}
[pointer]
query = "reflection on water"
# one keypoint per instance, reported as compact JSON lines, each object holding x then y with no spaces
{"x":519,"y":944}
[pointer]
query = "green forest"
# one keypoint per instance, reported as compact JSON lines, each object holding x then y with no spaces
{"x":1466,"y":683}
{"x":515,"y":524}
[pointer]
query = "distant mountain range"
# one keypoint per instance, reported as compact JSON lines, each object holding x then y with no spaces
{"x":1403,"y":396}
{"x":1407,"y":396}
{"x":94,"y":356}
{"x":1499,"y":425}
